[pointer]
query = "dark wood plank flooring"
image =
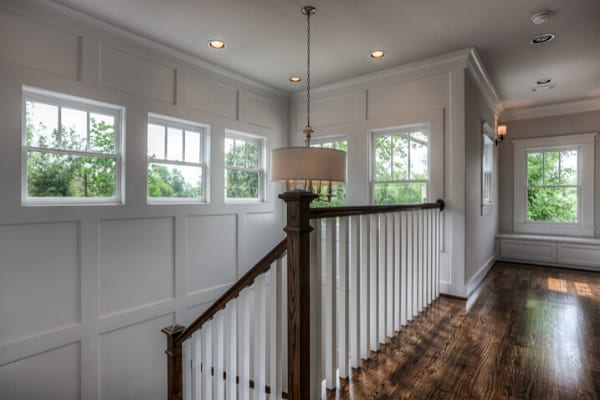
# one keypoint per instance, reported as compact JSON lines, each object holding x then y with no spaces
{"x":532,"y":333}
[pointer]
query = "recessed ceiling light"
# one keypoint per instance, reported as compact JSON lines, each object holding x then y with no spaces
{"x":216,"y":44}
{"x":378,"y":54}
{"x":542,"y":38}
{"x":544,"y":81}
{"x":295,"y":79}
{"x":541,"y":17}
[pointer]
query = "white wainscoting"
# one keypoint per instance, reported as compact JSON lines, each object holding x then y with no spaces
{"x":559,"y":251}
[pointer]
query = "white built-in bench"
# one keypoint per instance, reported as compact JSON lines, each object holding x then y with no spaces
{"x":559,"y":251}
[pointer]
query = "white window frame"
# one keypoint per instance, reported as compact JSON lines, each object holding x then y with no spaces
{"x":584,"y":144}
{"x":488,"y":166}
{"x":262,"y":175}
{"x":395,"y":131}
{"x":61,"y":100}
{"x":204,"y":154}
{"x":332,"y":139}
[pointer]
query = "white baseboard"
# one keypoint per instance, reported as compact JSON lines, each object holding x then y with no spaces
{"x":476,"y":280}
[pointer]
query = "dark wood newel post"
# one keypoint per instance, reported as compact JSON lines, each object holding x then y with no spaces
{"x":174,"y":362}
{"x":298,"y":255}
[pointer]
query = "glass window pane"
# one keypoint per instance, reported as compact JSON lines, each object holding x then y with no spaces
{"x":241,"y":184}
{"x":174,"y":181}
{"x":192,"y":146}
{"x":400,"y":144}
{"x":61,"y":175}
{"x":383,"y":158}
{"x":102,"y":133}
{"x":229,"y":152}
{"x":568,"y":167}
{"x":341,"y":145}
{"x":338,"y":197}
{"x":551,"y":171}
{"x":174,"y":144}
{"x":534,"y":169}
{"x":239,"y":155}
{"x":156,"y":141}
{"x":552,"y":204}
{"x":73,"y":129}
{"x":419,"y":135}
{"x":400,"y":193}
{"x":418,"y":161}
{"x":252,"y":154}
{"x":41,"y":124}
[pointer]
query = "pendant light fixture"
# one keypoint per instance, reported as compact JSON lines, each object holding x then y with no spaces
{"x":308,"y":168}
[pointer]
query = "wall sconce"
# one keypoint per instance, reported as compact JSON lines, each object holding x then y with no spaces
{"x":500,"y":133}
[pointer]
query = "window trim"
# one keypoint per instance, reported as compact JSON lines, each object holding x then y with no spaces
{"x":184,"y":125}
{"x":62,"y":100}
{"x":584,"y":144}
{"x":400,"y":130}
{"x":262,"y":170}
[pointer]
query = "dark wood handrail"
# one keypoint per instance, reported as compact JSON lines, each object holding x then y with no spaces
{"x":262,"y":266}
{"x":328,"y":212}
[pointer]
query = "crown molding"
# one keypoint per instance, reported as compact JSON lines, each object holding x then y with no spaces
{"x":552,"y":110}
{"x":80,"y":23}
{"x":482,"y":79}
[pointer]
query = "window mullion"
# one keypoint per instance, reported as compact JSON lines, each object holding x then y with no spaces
{"x":87,"y":141}
{"x":59,"y":129}
{"x":392,"y":156}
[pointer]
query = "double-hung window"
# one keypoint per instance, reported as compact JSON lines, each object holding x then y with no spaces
{"x":338,"y":191}
{"x":401,"y":165}
{"x":177,"y":153}
{"x":244,"y":167}
{"x":554,"y":185}
{"x":72,"y":150}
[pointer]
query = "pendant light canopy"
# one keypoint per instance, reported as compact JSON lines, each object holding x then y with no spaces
{"x":308,"y":168}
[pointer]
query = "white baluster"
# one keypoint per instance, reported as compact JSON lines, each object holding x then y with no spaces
{"x":389,"y":291}
{"x":438,"y":241}
{"x":343,"y":297}
{"x":420,"y":284}
{"x":381,"y":286}
{"x":397,"y":266}
{"x":284,"y":325}
{"x":230,"y":331}
{"x":411,"y":296}
{"x":260,"y":344}
{"x":426,"y":261}
{"x":355,"y":285}
{"x":186,"y":359}
{"x":218,"y":348}
{"x":198,"y":368}
{"x":316,"y":370}
{"x":364,"y":287}
{"x":207,"y":362}
{"x":330,"y":349}
{"x":373,"y":281}
{"x":274,"y":331}
{"x":430,"y":254}
{"x":403,"y":269}
{"x":244,"y":333}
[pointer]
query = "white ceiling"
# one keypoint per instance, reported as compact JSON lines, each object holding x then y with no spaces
{"x":266,"y":38}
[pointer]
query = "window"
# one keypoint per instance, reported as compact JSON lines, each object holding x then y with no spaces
{"x":176,"y":160}
{"x":338,"y":192}
{"x":554,"y":185}
{"x":401,"y":165}
{"x":244,"y":170}
{"x":487,"y":170}
{"x":71,"y":150}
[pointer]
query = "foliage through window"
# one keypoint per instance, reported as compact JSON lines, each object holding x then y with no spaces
{"x":176,"y":168}
{"x":243,"y":166}
{"x":72,"y":149}
{"x":552,"y":185}
{"x":401,"y":165}
{"x":338,"y":191}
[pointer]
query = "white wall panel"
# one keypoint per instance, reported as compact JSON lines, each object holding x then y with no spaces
{"x":260,"y":110}
{"x":39,"y":278}
{"x":259,"y":246}
{"x":211,"y":256}
{"x":39,"y":46}
{"x":136,"y":262}
{"x":132,"y":361}
{"x":578,"y":254}
{"x":528,"y":250}
{"x":340,"y":108}
{"x":211,"y":96}
{"x":133,"y":74}
{"x":191,"y":313}
{"x":52,"y":375}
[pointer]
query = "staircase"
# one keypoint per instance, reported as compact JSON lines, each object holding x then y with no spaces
{"x":343,"y":281}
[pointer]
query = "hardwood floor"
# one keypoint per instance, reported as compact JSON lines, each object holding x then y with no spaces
{"x":532,"y":333}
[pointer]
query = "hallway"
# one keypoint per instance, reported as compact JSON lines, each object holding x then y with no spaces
{"x":531,"y":333}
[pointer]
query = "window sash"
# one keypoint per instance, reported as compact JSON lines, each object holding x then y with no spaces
{"x":260,"y":143}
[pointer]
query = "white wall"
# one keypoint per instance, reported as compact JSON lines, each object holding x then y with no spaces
{"x":429,"y":91}
{"x":585,"y":122}
{"x":480,"y":229}
{"x":84,"y":291}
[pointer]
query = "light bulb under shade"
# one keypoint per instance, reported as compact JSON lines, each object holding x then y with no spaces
{"x":501,"y":130}
{"x":308,"y":163}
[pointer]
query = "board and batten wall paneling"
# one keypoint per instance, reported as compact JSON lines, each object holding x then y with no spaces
{"x":85,"y":290}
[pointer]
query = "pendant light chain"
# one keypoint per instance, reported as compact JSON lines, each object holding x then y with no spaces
{"x":308,"y":127}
